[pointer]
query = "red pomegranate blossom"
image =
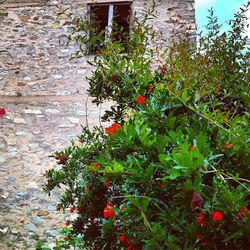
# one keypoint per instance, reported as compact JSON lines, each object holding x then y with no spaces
{"x":67,"y":238}
{"x":114,"y":75}
{"x":201,"y":219}
{"x":2,"y":112}
{"x":96,"y":165}
{"x":242,"y":213}
{"x":191,"y":147}
{"x":108,"y":212}
{"x":112,"y":129}
{"x":141,"y":99}
{"x":122,"y":239}
{"x":149,"y":88}
{"x":217,"y":216}
{"x":67,"y":223}
{"x":130,"y":246}
{"x":72,"y":210}
{"x":226,"y":146}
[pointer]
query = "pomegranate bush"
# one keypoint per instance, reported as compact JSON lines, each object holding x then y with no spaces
{"x":172,"y":169}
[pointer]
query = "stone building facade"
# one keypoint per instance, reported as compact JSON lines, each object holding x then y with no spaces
{"x":34,"y":58}
{"x":44,"y":94}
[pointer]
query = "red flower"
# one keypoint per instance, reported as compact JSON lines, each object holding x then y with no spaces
{"x":217,"y":216}
{"x":141,"y":99}
{"x":96,"y":165}
{"x":130,"y":246}
{"x":201,"y":219}
{"x":67,"y":238}
{"x":112,"y":129}
{"x":2,"y":111}
{"x":114,"y":75}
{"x":242,"y":213}
{"x":72,"y":210}
{"x":67,"y":223}
{"x":226,"y":146}
{"x":149,"y":88}
{"x":107,"y":183}
{"x":109,"y":204}
{"x":122,"y":239}
{"x":243,"y":210}
{"x":191,"y":147}
{"x":108,"y":213}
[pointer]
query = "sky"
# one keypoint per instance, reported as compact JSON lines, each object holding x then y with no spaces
{"x":224,"y":10}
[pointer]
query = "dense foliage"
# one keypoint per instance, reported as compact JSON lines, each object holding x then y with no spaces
{"x":172,"y":170}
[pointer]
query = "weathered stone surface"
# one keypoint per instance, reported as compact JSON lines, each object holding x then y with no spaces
{"x":34,"y":56}
{"x":43,"y":213}
{"x":19,"y":120}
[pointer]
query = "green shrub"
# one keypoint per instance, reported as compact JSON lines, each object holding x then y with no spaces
{"x":172,"y":170}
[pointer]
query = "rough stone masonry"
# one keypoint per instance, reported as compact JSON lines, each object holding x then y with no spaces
{"x":44,"y":94}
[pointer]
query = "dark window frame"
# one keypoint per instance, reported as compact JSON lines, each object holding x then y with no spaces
{"x":111,"y":16}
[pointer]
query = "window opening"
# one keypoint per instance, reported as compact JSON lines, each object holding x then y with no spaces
{"x":104,"y":15}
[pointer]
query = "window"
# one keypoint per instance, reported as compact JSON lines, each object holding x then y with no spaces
{"x":105,"y":15}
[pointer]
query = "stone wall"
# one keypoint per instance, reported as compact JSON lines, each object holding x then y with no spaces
{"x":34,"y":57}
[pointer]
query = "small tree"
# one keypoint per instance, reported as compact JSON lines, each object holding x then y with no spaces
{"x":172,"y":171}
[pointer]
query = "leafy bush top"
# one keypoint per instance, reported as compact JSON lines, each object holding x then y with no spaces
{"x":172,"y":170}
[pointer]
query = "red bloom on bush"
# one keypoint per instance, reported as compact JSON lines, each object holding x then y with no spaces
{"x":191,"y":147}
{"x":96,"y":165}
{"x":201,"y":219}
{"x":109,"y":204}
{"x":114,"y":75}
{"x":141,"y":99}
{"x":2,"y":111}
{"x":112,"y":129}
{"x":226,"y":146}
{"x":108,"y":211}
{"x":242,"y":213}
{"x":149,"y":88}
{"x":72,"y":210}
{"x":67,"y":223}
{"x":67,"y":238}
{"x":130,"y":246}
{"x":217,"y":216}
{"x":122,"y":239}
